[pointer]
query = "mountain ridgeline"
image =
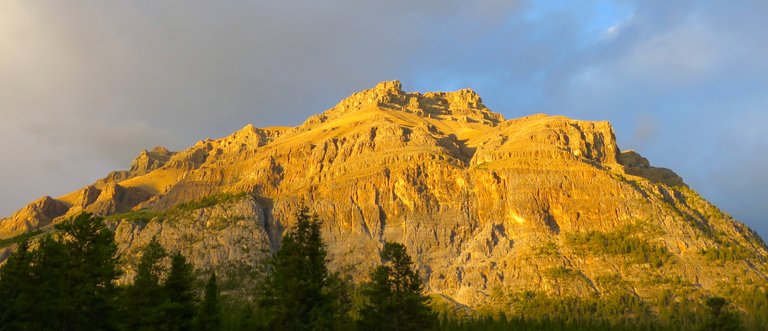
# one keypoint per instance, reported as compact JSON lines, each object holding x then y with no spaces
{"x":492,"y":210}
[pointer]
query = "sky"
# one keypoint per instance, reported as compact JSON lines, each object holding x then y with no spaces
{"x":85,"y":85}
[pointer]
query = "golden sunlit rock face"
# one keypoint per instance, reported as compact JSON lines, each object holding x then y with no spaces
{"x":481,"y":202}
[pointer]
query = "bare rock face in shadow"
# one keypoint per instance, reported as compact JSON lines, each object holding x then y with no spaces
{"x":37,"y":214}
{"x":636,"y":165}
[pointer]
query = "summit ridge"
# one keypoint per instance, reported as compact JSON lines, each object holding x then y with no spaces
{"x":481,"y":201}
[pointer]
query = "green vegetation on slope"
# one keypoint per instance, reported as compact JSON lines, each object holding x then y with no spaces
{"x":621,"y":242}
{"x":65,"y":283}
{"x":295,"y":291}
{"x":211,"y":200}
{"x":727,"y":252}
{"x":19,"y":238}
{"x":145,"y":216}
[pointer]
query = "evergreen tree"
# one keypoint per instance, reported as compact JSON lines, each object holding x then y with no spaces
{"x":293,"y":296}
{"x":91,"y":271}
{"x":67,"y":283}
{"x":16,"y":287}
{"x":719,"y":317}
{"x":144,"y":299}
{"x":209,"y":317}
{"x":50,"y":291}
{"x":241,"y":316}
{"x":340,"y":291}
{"x":179,"y":309}
{"x":393,"y":296}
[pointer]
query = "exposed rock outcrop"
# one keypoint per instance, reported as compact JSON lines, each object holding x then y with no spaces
{"x":481,"y":202}
{"x":37,"y":214}
{"x":229,"y":235}
{"x":635,"y":164}
{"x":110,"y":199}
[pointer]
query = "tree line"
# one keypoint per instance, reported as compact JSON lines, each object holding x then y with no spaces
{"x":67,"y":280}
{"x":298,"y":292}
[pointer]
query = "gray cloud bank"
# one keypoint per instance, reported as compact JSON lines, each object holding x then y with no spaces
{"x":85,"y":85}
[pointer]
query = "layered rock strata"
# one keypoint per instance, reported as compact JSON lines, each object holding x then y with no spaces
{"x":481,"y":202}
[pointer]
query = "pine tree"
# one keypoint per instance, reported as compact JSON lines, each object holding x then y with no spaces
{"x":340,"y":290}
{"x":393,"y":296}
{"x":51,"y":291}
{"x":67,"y":283}
{"x":180,"y":307}
{"x":209,"y":317}
{"x":16,"y":289}
{"x":720,"y":318}
{"x":143,"y":300}
{"x":293,"y":296}
{"x":91,"y":272}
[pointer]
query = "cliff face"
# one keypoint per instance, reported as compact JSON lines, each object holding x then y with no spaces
{"x":480,"y":201}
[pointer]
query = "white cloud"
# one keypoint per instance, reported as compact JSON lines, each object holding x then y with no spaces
{"x":685,"y":54}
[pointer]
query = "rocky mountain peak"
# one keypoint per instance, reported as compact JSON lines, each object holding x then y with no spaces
{"x":389,"y":87}
{"x":147,"y":161}
{"x":387,"y":94}
{"x":482,"y":202}
{"x":463,"y":105}
{"x":160,"y":150}
{"x":36,"y":214}
{"x":250,"y":135}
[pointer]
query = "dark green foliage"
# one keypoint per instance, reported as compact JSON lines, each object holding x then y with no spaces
{"x":144,"y":216}
{"x":180,"y":308}
{"x":719,"y":316}
{"x":622,"y":243}
{"x":294,"y":294}
{"x":138,"y":216}
{"x":238,"y":276}
{"x":16,"y":289}
{"x":67,"y":283}
{"x":393,"y":296}
{"x":620,"y":310}
{"x":550,"y":248}
{"x":501,"y":323}
{"x":20,"y":238}
{"x":238,"y":315}
{"x":727,"y":252}
{"x":678,"y":311}
{"x":340,"y":291}
{"x":92,"y":270}
{"x":143,"y":300}
{"x":209,"y":316}
{"x":755,"y":301}
{"x":559,"y":272}
{"x":211,"y":200}
{"x":49,"y":295}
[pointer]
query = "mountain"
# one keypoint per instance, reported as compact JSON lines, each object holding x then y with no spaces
{"x":539,"y":203}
